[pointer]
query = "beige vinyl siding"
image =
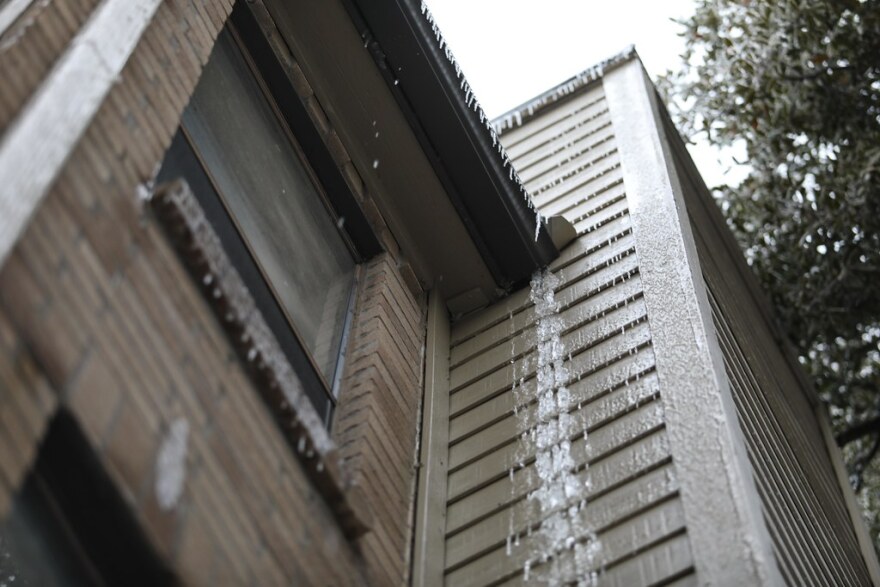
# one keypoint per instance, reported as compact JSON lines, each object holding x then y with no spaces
{"x":803,"y":505}
{"x":807,"y":522}
{"x":567,"y":158}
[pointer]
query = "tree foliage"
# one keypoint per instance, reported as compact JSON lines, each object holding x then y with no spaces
{"x":798,"y":82}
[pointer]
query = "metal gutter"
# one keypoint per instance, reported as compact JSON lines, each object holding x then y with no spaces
{"x":456,"y":136}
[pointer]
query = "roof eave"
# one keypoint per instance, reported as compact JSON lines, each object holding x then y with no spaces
{"x":456,"y":135}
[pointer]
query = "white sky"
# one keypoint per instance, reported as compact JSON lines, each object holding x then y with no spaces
{"x":513,"y":50}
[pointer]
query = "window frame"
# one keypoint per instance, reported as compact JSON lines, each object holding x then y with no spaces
{"x":271,"y":81}
{"x":70,"y":505}
{"x":295,"y":115}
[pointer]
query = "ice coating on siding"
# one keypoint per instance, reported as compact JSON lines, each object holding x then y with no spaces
{"x":516,"y":117}
{"x":470,"y":99}
{"x":560,"y":494}
{"x":171,"y":465}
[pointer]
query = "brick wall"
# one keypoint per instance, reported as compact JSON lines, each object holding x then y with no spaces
{"x":379,"y":404}
{"x":95,"y":305}
{"x":30,"y":47}
{"x":26,"y":402}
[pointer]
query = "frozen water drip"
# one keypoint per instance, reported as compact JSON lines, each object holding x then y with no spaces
{"x":563,"y":547}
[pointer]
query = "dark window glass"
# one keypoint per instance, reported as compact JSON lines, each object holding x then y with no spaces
{"x":259,"y":192}
{"x":69,"y":526}
{"x":273,"y":200}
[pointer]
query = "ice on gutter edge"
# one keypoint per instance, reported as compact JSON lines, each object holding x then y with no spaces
{"x":471,"y":101}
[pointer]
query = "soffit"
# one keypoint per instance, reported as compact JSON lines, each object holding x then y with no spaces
{"x":383,"y":147}
{"x":416,"y":63}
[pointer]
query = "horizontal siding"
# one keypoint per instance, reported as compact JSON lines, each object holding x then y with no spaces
{"x":810,"y":528}
{"x":553,"y":124}
{"x":803,"y":505}
{"x":619,"y":543}
{"x":491,"y":532}
{"x":580,"y":140}
{"x":568,"y":161}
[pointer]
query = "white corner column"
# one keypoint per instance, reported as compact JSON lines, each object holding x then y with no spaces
{"x":730,"y":542}
{"x":429,"y":548}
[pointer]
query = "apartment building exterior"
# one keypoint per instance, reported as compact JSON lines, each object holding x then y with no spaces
{"x":706,"y":457}
{"x":266,"y":318}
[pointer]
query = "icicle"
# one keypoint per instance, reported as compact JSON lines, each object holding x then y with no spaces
{"x":559,"y":490}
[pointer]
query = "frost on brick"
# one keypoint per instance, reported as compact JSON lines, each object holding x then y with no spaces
{"x":171,"y":465}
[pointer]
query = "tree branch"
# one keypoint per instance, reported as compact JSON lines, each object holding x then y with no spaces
{"x":859,"y":430}
{"x":829,"y":70}
{"x":864,"y":461}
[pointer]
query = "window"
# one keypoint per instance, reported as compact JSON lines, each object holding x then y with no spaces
{"x":69,"y":526}
{"x":270,"y":210}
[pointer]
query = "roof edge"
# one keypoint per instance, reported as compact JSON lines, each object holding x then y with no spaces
{"x":457,"y":136}
{"x":518,"y":116}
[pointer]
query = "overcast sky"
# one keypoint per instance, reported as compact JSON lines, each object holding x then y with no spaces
{"x":513,"y":50}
